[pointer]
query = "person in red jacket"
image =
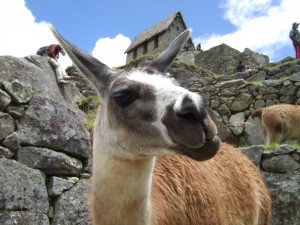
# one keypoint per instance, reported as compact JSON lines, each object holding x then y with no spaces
{"x":295,"y":37}
{"x":53,"y":56}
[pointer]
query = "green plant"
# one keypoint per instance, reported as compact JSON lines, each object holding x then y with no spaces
{"x":281,"y":79}
{"x":266,"y":69}
{"x":191,"y":67}
{"x":297,"y":146}
{"x":135,"y":62}
{"x":90,"y":103}
{"x":89,"y":123}
{"x":70,"y":69}
{"x":36,"y":91}
{"x":89,"y":106}
{"x":293,"y":63}
{"x":271,"y":146}
{"x":255,"y":82}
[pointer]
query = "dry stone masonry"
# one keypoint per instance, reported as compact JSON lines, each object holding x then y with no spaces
{"x":45,"y":151}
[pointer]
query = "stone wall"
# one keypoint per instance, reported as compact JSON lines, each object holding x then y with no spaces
{"x":45,"y":151}
{"x":234,"y":97}
{"x":223,"y":59}
{"x":281,"y":170}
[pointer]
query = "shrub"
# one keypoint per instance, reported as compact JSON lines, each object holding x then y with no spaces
{"x":89,"y":106}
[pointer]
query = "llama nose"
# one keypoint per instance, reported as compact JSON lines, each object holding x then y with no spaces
{"x":195,"y":112}
{"x":191,"y":111}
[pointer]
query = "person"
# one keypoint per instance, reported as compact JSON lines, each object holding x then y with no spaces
{"x":295,"y":37}
{"x":199,"y":47}
{"x":240,"y":67}
{"x":52,"y":55}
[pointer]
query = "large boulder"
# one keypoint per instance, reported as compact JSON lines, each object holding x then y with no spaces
{"x":22,"y":188}
{"x":48,"y":161}
{"x":38,"y":73}
{"x":253,"y":131}
{"x":223,"y":59}
{"x":7,"y":125}
{"x":23,"y":218}
{"x":71,"y":207}
{"x":50,"y":124}
{"x":285,"y":193}
{"x":284,"y":188}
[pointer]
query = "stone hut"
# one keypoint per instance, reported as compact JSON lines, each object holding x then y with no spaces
{"x":156,"y":38}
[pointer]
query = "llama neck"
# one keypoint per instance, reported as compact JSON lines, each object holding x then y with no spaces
{"x":123,"y":189}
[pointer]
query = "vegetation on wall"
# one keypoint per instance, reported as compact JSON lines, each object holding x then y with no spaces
{"x":136,"y":62}
{"x":192,"y":68}
{"x":89,"y":106}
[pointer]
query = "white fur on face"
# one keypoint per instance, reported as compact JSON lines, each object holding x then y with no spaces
{"x":166,"y":94}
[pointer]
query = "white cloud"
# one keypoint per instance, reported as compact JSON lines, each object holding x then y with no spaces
{"x":110,"y":51}
{"x":21,"y":35}
{"x":261,"y":25}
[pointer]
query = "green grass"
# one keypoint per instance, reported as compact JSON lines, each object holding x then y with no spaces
{"x":281,"y":79}
{"x":256,"y":82}
{"x":275,"y":146}
{"x":190,"y":67}
{"x":271,"y":147}
{"x":266,"y":69}
{"x":297,"y":146}
{"x":135,"y":62}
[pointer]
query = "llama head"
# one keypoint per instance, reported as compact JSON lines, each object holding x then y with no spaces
{"x":144,"y":113}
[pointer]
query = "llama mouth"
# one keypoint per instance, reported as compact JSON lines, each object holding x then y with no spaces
{"x":205,"y":152}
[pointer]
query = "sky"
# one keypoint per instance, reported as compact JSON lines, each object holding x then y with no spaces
{"x":105,"y":29}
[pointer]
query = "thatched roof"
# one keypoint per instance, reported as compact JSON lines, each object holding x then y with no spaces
{"x":154,"y":30}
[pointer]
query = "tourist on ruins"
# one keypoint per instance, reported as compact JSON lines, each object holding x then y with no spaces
{"x":52,"y":54}
{"x":199,"y":47}
{"x":240,"y":67}
{"x":295,"y":37}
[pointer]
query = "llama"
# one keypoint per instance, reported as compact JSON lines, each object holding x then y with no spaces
{"x":157,"y":159}
{"x":279,"y":123}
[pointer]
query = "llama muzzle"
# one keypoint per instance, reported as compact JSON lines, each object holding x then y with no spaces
{"x":193,"y":132}
{"x":207,"y":151}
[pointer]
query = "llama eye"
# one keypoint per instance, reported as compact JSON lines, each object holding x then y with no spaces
{"x":124,"y":98}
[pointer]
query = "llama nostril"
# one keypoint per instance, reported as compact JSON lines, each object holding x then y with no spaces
{"x":190,"y":110}
{"x":188,"y":116}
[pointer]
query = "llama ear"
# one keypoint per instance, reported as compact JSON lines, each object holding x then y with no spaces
{"x":97,"y":73}
{"x":162,"y":62}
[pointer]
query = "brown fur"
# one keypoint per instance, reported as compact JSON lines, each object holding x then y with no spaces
{"x":227,"y":189}
{"x":224,"y":190}
{"x":280,"y":123}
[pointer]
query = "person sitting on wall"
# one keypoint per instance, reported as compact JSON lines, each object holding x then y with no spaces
{"x":199,"y":47}
{"x":53,"y":56}
{"x":51,"y":52}
{"x":240,"y":67}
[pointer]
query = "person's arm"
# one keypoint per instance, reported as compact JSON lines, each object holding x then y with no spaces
{"x":292,"y":35}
